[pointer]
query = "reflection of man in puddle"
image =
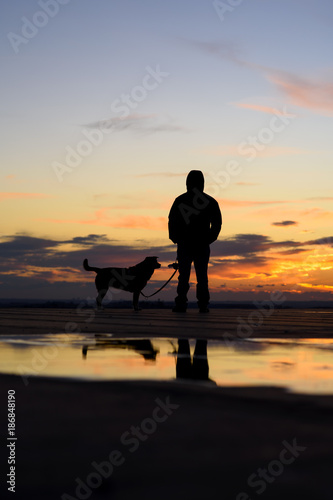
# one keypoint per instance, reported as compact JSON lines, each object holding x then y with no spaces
{"x":196,"y":369}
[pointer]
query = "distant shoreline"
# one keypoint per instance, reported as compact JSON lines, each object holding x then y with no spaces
{"x":157,"y":304}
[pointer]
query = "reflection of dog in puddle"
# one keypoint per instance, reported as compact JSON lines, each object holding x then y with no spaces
{"x":144,"y":347}
{"x":131,"y":279}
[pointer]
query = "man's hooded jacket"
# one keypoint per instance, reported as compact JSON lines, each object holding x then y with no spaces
{"x":195,"y":218}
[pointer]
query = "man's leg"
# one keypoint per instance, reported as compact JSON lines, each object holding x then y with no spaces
{"x":201,"y":268}
{"x":184,"y":262}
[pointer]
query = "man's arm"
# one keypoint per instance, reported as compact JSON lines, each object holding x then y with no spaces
{"x":216,"y":223}
{"x":173,"y":225}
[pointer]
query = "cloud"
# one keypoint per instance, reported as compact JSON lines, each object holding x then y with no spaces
{"x":285,"y":223}
{"x":328,"y":240}
{"x":140,"y":222}
{"x":91,"y":239}
{"x":136,"y":123}
{"x":242,"y":245}
{"x":12,"y":246}
{"x":253,"y":251}
{"x":293,"y":251}
{"x":317,"y":213}
{"x":22,"y":196}
{"x":102,"y":219}
{"x":225,"y":50}
{"x":19,"y":252}
{"x":303,"y":92}
{"x":228,"y":202}
{"x":315,"y":286}
{"x":28,"y":264}
{"x":263,"y":109}
{"x":118,"y":124}
{"x":314,"y":214}
{"x":307,"y":93}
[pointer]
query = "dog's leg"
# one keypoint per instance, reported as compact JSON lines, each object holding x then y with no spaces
{"x":136,"y":296}
{"x":100,"y":297}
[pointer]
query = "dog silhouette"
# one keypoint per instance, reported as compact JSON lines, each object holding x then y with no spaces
{"x":131,"y":279}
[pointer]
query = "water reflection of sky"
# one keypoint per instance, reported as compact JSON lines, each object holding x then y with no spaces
{"x":300,"y":365}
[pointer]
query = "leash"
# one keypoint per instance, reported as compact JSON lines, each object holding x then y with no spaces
{"x":175,"y":266}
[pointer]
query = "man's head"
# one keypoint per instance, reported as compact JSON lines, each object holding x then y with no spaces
{"x":195,"y":179}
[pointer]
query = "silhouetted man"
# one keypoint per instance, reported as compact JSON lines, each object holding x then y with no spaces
{"x":194,"y":223}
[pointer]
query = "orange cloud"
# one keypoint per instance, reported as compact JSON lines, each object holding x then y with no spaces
{"x":130,"y":222}
{"x":259,"y":107}
{"x":305,"y":93}
{"x":140,"y":222}
{"x":246,"y":203}
{"x":317,"y":213}
{"x":302,"y":92}
{"x":316,"y":287}
{"x":311,"y":213}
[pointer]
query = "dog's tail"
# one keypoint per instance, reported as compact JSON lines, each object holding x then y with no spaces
{"x":88,"y":268}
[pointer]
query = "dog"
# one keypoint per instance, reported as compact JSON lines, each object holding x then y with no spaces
{"x":132,"y":279}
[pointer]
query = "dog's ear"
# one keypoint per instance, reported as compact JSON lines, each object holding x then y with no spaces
{"x":153,"y":262}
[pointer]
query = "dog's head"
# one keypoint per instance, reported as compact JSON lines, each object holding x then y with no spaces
{"x":152,"y":262}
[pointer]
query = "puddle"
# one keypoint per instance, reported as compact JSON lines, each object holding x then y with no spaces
{"x":300,"y":365}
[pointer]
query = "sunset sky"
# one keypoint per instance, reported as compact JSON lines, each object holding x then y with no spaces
{"x":108,"y":104}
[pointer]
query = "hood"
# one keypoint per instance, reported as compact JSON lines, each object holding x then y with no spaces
{"x":195,"y":179}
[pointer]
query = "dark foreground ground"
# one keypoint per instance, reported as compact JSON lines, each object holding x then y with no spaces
{"x":166,"y":440}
